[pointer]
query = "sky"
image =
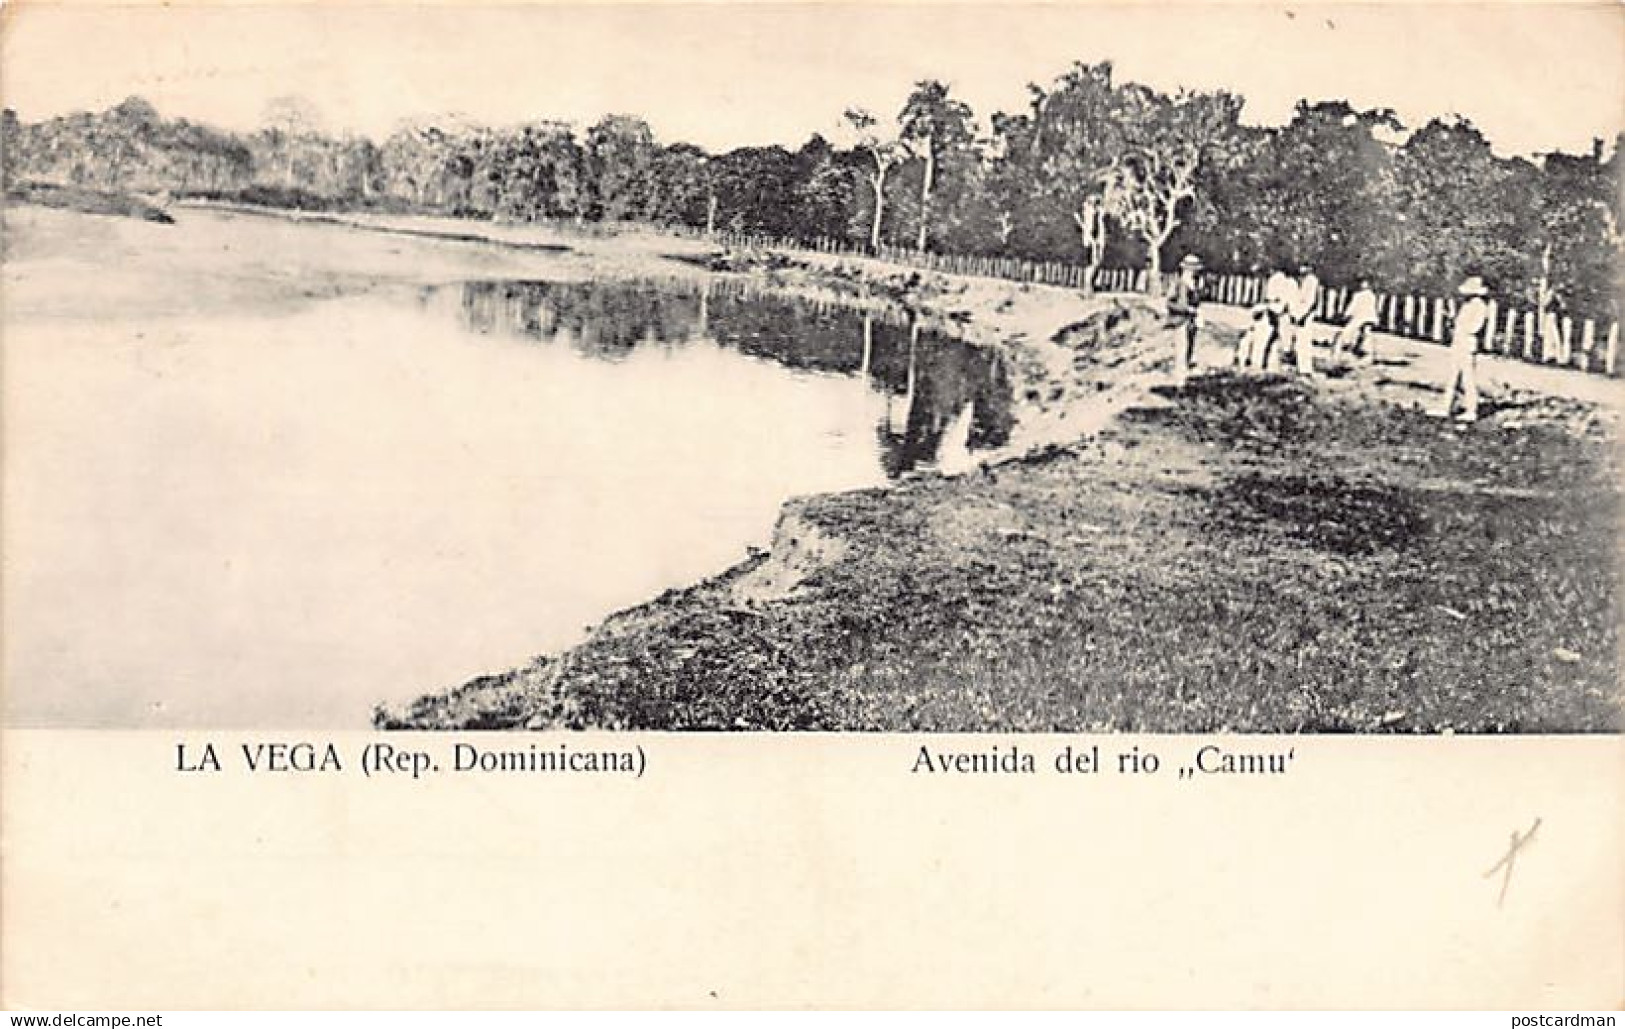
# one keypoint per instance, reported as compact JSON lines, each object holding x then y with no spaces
{"x":1534,"y":77}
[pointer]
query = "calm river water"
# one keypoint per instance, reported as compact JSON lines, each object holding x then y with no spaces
{"x":276,"y":522}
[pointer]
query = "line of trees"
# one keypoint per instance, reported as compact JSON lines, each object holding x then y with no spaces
{"x":1093,"y":171}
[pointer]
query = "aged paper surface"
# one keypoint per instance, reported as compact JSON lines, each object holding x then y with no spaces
{"x":175,"y":595}
{"x":764,"y":871}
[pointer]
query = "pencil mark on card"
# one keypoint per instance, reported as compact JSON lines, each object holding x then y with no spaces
{"x":1517,"y":842}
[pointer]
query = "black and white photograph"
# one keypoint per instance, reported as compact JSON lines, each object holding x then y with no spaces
{"x":594,"y":387}
{"x":831,"y":390}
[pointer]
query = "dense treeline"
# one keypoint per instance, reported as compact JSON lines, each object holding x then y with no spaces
{"x":1093,"y":172}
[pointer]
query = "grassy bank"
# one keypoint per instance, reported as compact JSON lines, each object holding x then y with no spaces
{"x":1247,"y":553}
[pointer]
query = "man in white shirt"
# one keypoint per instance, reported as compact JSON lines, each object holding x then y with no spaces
{"x":1280,"y":292}
{"x":1302,"y":312}
{"x":1471,"y":318}
{"x":1362,"y":318}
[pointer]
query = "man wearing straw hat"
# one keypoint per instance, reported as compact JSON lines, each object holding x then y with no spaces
{"x":1471,"y":317}
{"x":1183,"y":303}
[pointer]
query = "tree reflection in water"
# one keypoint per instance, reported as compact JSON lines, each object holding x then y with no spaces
{"x":945,"y":399}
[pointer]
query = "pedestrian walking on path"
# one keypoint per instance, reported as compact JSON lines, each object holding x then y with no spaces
{"x":1465,"y":339}
{"x":1302,"y":313}
{"x":1280,"y":293}
{"x":1181,"y":321}
{"x":1355,"y":335}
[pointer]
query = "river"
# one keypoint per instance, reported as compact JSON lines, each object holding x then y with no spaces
{"x":279,"y":520}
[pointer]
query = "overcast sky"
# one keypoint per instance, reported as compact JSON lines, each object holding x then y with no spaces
{"x":1534,"y":77}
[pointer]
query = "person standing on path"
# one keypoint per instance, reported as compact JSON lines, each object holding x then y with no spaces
{"x":1183,"y":304}
{"x":1362,"y":318}
{"x":1279,"y":295}
{"x":1465,"y":338}
{"x":1302,"y":313}
{"x":1255,"y":339}
{"x":1254,"y":348}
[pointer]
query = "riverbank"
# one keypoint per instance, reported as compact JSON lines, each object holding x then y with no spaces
{"x":1248,"y":553}
{"x":1250,"y":557}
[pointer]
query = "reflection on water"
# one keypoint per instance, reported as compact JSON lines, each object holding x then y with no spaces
{"x":276,"y":520}
{"x":944,"y":399}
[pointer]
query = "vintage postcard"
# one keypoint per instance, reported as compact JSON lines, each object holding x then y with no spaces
{"x":811,"y":505}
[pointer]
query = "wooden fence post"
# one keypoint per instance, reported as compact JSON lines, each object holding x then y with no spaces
{"x":1610,"y":353}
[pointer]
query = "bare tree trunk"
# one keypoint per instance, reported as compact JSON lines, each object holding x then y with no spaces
{"x":1543,"y":289}
{"x":1545,"y":297}
{"x":878,"y":181}
{"x":1155,"y":263}
{"x":925,"y":192}
{"x":711,"y":216}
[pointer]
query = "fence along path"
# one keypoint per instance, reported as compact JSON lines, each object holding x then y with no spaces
{"x":1513,"y":332}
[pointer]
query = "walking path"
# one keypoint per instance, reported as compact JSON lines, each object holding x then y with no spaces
{"x":1413,"y":371}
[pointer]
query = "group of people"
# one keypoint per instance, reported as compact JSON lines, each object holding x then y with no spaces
{"x":1282,"y":322}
